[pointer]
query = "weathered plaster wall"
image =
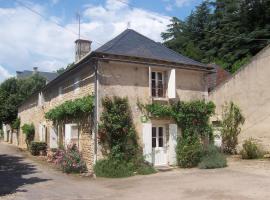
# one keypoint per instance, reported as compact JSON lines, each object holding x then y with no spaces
{"x":249,"y":89}
{"x":132,"y":81}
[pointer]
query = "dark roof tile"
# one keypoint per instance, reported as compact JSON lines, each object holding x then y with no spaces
{"x":132,"y":43}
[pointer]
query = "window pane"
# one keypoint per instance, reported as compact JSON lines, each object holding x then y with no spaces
{"x":153,"y":75}
{"x":160,"y":92}
{"x":160,"y":142}
{"x":154,"y":142}
{"x":159,"y":76}
{"x":153,"y":92}
{"x":154,"y":134}
{"x":160,"y":131}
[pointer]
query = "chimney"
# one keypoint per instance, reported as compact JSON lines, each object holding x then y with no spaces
{"x":18,"y":74}
{"x":82,"y":47}
{"x":35,"y":70}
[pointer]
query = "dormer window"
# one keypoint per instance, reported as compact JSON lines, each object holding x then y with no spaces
{"x":157,"y":84}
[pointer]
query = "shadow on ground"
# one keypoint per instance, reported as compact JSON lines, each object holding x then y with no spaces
{"x":12,"y":170}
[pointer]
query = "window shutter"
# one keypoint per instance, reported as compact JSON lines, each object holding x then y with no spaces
{"x":172,"y":143}
{"x":67,"y":134}
{"x":171,"y":84}
{"x":53,"y":138}
{"x":147,"y":141}
{"x":40,"y":132}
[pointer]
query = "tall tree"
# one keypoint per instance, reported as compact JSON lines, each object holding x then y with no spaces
{"x":13,"y":92}
{"x":222,"y":31}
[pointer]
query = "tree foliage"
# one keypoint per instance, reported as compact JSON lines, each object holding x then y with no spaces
{"x":231,"y":122}
{"x":221,"y":32}
{"x":13,"y":92}
{"x":29,"y":131}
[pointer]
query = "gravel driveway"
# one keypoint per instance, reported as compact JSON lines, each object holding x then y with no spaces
{"x":22,"y":178}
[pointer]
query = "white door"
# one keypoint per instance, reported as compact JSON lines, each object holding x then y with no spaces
{"x":53,"y":138}
{"x":159,"y":152}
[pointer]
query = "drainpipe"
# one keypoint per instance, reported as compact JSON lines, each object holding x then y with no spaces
{"x":96,"y":111}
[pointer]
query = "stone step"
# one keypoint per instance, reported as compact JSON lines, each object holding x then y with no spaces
{"x":164,"y":168}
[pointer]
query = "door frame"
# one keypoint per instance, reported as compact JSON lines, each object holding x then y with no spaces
{"x":164,"y":148}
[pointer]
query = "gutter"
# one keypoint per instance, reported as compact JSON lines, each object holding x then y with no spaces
{"x":96,"y":116}
{"x":156,"y":64}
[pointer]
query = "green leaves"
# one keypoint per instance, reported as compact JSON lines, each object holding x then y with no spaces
{"x":232,"y":119}
{"x":13,"y":92}
{"x":70,"y":110}
{"x":29,"y":131}
{"x":192,"y":117}
{"x":116,"y":130}
{"x":222,"y":32}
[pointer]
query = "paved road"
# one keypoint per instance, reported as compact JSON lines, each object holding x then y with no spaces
{"x":21,"y":178}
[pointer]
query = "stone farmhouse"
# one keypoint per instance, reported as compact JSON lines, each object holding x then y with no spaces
{"x":249,"y":89}
{"x":130,"y":65}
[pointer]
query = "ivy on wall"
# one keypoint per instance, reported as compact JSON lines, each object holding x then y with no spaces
{"x":192,"y":117}
{"x":71,"y":110}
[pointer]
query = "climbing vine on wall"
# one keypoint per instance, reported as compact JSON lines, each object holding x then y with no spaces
{"x":71,"y":110}
{"x":192,"y":117}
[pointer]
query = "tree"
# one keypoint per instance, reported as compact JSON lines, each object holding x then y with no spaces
{"x":13,"y":92}
{"x":221,"y":32}
{"x":62,"y":69}
{"x":231,"y":122}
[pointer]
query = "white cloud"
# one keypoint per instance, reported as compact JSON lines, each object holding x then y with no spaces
{"x":27,"y":40}
{"x":181,"y":3}
{"x":169,"y":7}
{"x":4,"y":74}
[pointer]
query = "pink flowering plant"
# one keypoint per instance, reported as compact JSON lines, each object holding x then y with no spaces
{"x":69,"y":160}
{"x":72,"y":161}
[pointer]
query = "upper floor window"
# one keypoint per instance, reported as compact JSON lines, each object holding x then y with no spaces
{"x":157,"y":84}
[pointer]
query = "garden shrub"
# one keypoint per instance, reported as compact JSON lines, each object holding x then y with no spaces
{"x":145,"y":168}
{"x":119,"y":141}
{"x":29,"y":131}
{"x":113,"y":168}
{"x":71,"y":160}
{"x":212,"y":158}
{"x":231,"y":122}
{"x":37,"y":147}
{"x":188,"y":152}
{"x":251,"y":150}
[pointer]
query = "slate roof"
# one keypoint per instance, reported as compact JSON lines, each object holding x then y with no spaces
{"x":132,"y":43}
{"x":49,"y":76}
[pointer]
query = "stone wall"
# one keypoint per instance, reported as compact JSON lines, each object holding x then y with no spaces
{"x":249,"y":89}
{"x":32,"y":112}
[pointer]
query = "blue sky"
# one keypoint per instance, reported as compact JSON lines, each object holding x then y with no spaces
{"x":29,"y":40}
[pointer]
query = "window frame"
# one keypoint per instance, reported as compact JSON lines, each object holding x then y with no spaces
{"x":156,"y":83}
{"x":157,"y":136}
